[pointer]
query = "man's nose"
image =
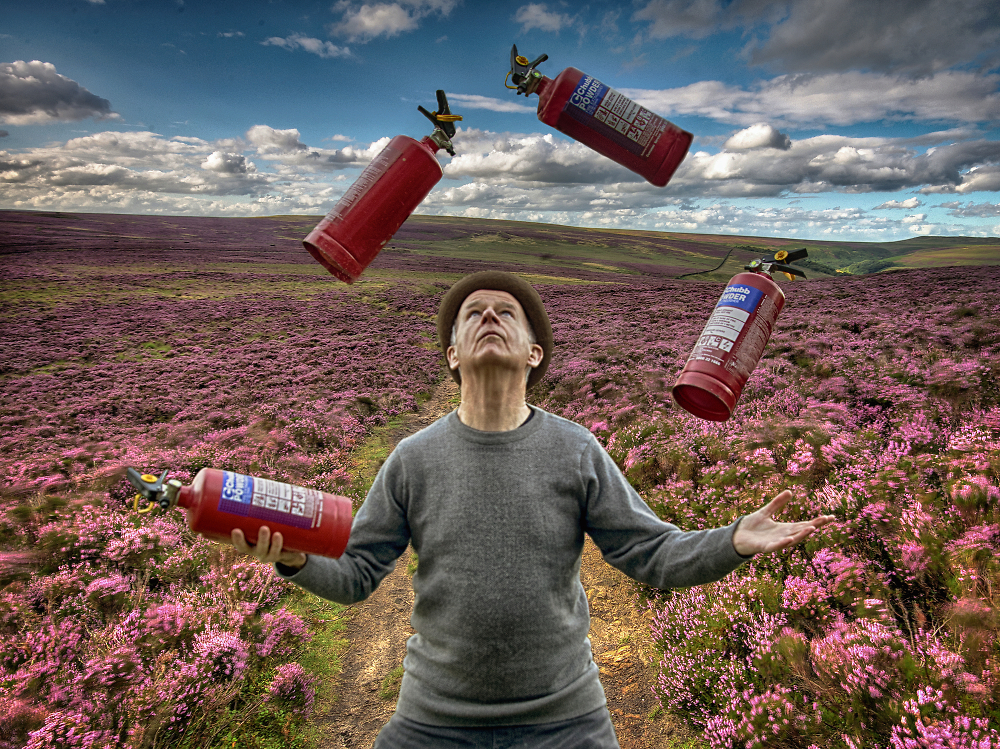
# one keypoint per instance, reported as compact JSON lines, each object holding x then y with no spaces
{"x":489,"y":314}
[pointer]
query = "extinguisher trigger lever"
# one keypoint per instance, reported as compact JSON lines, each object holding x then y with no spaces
{"x":523,"y":73}
{"x":779,"y":262}
{"x":443,"y":120}
{"x":155,"y":490}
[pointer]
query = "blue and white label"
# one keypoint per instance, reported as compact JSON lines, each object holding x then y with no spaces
{"x":588,"y":94}
{"x":269,"y":500}
{"x":742,"y":296}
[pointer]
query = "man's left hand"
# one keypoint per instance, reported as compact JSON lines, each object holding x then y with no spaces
{"x":759,"y":532}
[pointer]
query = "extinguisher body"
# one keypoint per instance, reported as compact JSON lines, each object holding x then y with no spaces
{"x":375,"y":206}
{"x":730,"y":346}
{"x":309,"y":520}
{"x":601,"y":118}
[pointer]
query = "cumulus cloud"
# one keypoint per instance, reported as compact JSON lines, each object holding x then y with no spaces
{"x":538,"y":16}
{"x":228,"y":163}
{"x":973,"y":210}
{"x":761,"y":135}
{"x":908,"y":204}
{"x":979,"y":178}
{"x":916,"y":37}
{"x":33,"y":93}
{"x":694,"y":18}
{"x":475,"y":101}
{"x":286,"y":148}
{"x":833,"y":99}
{"x":912,"y":37}
{"x":826,"y":163}
{"x":365,"y":22}
{"x":268,"y":140}
{"x":309,"y":44}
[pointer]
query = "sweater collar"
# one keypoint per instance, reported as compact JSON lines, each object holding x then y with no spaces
{"x":478,"y":436}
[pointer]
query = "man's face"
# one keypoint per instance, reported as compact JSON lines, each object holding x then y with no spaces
{"x":492,"y":331}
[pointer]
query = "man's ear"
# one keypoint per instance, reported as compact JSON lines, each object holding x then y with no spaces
{"x":451,"y":354}
{"x":535,"y":356}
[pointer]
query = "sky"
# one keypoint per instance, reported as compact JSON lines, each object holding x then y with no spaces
{"x":870,"y":120}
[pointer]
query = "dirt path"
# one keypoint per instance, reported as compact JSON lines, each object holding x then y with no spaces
{"x":379,"y":627}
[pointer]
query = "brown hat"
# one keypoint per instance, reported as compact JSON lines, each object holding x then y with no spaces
{"x":497,"y":280}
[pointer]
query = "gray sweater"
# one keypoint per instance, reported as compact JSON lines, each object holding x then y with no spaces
{"x":498,"y":521}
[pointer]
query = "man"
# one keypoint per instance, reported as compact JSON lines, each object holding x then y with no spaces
{"x":496,"y":498}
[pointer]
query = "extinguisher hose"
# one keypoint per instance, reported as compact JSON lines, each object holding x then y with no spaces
{"x":699,"y":272}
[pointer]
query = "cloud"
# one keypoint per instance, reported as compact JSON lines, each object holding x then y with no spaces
{"x":833,"y":99}
{"x":979,"y":178}
{"x":826,"y":163}
{"x":916,"y":37}
{"x":668,"y":18}
{"x":908,"y":204}
{"x":911,"y":37}
{"x":538,"y":16}
{"x":231,"y":34}
{"x":309,"y":44}
{"x":33,"y":93}
{"x":290,"y":153}
{"x":4,"y":133}
{"x":228,"y":163}
{"x":365,"y":22}
{"x":760,"y":135}
{"x":475,"y":101}
{"x":268,"y":140}
{"x":96,"y":2}
{"x":973,"y":210}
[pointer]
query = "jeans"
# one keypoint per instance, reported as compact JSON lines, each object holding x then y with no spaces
{"x":590,"y":731}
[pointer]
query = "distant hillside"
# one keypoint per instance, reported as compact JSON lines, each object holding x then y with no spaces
{"x":470,"y":243}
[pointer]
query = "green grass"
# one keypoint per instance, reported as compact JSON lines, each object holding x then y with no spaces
{"x":391,"y":683}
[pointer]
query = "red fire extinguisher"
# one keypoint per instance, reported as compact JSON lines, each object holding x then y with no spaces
{"x":309,"y":520}
{"x":382,"y":198}
{"x":587,"y":110}
{"x":733,"y":341}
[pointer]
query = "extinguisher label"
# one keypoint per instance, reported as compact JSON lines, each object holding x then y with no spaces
{"x":615,"y":116}
{"x":737,"y":303}
{"x":741,"y":296}
{"x":269,"y":500}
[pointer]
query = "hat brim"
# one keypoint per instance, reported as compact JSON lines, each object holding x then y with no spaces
{"x":517,"y":287}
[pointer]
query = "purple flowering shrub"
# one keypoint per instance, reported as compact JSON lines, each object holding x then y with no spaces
{"x":120,"y":630}
{"x":877,"y":401}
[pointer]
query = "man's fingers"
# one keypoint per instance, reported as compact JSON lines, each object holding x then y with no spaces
{"x":777,"y":504}
{"x":240,"y":542}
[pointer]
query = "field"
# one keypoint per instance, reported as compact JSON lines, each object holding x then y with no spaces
{"x":196,"y":342}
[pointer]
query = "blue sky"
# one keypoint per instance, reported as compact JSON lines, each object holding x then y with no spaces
{"x":842,"y":119}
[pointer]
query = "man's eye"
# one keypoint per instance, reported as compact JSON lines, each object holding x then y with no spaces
{"x":473,"y":313}
{"x":507,"y":312}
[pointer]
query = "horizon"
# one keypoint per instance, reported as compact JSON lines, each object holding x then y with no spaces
{"x":813,"y":121}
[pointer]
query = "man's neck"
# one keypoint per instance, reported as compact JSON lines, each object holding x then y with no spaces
{"x":497,"y":406}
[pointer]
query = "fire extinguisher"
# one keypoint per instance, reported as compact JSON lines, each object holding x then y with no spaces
{"x":587,"y":110}
{"x":382,"y":198}
{"x":733,"y":341}
{"x":309,"y":520}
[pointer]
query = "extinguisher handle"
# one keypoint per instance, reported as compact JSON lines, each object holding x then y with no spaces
{"x":443,"y":119}
{"x":521,"y":70}
{"x":148,"y":485}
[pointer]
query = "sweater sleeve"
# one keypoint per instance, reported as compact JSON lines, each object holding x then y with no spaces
{"x":379,"y":534}
{"x":634,"y":540}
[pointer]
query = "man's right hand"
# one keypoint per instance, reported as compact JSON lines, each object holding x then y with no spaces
{"x":268,"y":548}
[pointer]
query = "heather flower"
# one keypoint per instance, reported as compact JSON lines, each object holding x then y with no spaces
{"x":282,"y":633}
{"x":860,"y":657}
{"x":17,"y":719}
{"x":292,"y":689}
{"x":68,"y":729}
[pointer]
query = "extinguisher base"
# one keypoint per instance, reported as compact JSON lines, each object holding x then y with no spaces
{"x":332,"y":255}
{"x":705,"y":397}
